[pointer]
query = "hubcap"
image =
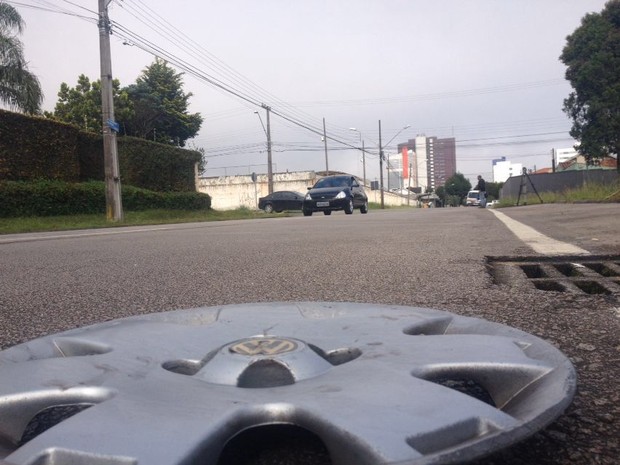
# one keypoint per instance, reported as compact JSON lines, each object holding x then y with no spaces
{"x":376,"y":384}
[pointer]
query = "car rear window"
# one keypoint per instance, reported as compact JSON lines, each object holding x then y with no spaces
{"x":332,"y":182}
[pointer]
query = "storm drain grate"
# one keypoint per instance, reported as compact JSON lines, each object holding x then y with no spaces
{"x":593,"y":275}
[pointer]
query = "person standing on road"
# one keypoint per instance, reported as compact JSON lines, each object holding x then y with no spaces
{"x":481,"y":187}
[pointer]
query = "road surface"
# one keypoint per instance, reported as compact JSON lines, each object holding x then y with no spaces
{"x":437,"y":258}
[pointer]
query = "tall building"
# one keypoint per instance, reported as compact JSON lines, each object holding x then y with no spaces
{"x":427,"y":162}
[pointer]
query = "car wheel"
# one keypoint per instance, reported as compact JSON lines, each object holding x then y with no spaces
{"x":307,"y":212}
{"x":327,"y":212}
{"x":348,"y":208}
{"x":364,"y":208}
{"x":268,"y":208}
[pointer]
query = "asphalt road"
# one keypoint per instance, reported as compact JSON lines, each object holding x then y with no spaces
{"x":434,"y":258}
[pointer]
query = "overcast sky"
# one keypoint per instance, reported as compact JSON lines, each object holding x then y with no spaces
{"x":486,"y":72}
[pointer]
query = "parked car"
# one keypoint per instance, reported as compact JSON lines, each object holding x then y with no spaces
{"x":472,"y":199}
{"x":280,"y":201}
{"x":332,"y":193}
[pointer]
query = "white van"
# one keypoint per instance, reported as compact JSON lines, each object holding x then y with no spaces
{"x":472,"y":199}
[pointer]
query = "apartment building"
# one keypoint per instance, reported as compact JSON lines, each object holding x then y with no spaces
{"x":426,"y":162}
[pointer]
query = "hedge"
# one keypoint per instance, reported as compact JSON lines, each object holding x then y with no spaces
{"x":34,"y":148}
{"x":51,"y":198}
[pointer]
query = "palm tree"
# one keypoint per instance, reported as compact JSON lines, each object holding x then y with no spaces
{"x":19,"y":88}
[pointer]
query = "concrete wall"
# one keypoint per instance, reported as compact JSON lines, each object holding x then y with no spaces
{"x":231,"y":192}
{"x":558,"y":182}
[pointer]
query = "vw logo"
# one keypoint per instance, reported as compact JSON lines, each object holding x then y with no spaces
{"x":264,"y":346}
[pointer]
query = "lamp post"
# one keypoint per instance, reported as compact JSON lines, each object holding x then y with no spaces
{"x":363,"y":153}
{"x":268,"y":134}
{"x":381,"y":159}
{"x":325,"y":144}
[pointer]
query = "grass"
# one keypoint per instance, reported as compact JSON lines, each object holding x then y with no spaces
{"x":64,"y":223}
{"x":141,"y":218}
{"x":592,"y":193}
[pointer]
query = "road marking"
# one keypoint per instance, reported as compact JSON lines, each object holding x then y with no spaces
{"x":46,"y":237}
{"x":539,"y":242}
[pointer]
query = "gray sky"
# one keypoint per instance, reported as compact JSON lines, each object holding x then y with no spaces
{"x":483,"y":71}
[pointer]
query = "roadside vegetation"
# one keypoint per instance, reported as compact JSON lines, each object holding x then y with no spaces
{"x":131,"y":218}
{"x":591,"y":193}
{"x":135,"y":218}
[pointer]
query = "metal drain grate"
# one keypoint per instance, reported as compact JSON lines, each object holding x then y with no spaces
{"x":594,"y":275}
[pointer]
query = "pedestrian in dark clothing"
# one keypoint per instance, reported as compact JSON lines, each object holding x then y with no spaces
{"x":481,"y":187}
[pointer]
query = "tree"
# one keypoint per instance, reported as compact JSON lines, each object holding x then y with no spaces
{"x":161,"y":107}
{"x":457,"y":186}
{"x":19,"y":88}
{"x":81,"y":105}
{"x":493,"y":189}
{"x":592,"y":57}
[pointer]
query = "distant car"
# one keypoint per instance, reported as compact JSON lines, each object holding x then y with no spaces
{"x":280,"y":201}
{"x":472,"y":199}
{"x":333,"y":193}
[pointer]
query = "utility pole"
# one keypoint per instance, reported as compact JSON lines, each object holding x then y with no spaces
{"x":114,"y":206}
{"x":269,"y":164}
{"x":381,"y":168}
{"x":325,"y":144}
{"x":267,"y":131}
{"x":387,"y":169}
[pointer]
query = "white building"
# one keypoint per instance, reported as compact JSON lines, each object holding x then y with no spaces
{"x":562,"y":155}
{"x":504,"y":169}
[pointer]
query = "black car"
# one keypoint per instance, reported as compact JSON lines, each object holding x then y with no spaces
{"x":280,"y":201}
{"x":335,"y":193}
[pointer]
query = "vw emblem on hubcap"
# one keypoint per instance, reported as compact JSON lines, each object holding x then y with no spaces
{"x":264,"y":346}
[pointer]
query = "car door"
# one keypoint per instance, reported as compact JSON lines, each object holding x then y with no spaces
{"x":359,"y":196}
{"x":288,"y":202}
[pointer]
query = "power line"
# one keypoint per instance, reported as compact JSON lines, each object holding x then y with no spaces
{"x":515,"y":136}
{"x":51,"y":8}
{"x":255,"y":96}
{"x":437,"y":95}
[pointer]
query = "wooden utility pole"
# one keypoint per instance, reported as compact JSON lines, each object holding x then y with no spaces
{"x":114,"y":206}
{"x":269,"y":159}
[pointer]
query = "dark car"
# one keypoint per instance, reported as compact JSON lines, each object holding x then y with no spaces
{"x":280,"y":201}
{"x":335,"y":193}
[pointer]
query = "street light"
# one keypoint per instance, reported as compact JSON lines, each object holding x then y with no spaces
{"x":381,"y":158}
{"x":268,"y":134}
{"x":363,"y":153}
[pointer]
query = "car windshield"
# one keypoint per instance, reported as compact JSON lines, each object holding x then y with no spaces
{"x":333,"y":182}
{"x":473,"y":195}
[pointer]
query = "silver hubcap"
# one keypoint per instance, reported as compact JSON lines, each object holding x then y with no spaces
{"x":376,"y":384}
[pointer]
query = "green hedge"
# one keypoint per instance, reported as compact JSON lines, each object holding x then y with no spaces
{"x":157,"y":167}
{"x":36,"y":148}
{"x":51,"y":198}
{"x":33,"y":148}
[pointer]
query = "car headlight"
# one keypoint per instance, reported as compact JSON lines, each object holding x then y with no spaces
{"x":341,"y":195}
{"x":308,"y":196}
